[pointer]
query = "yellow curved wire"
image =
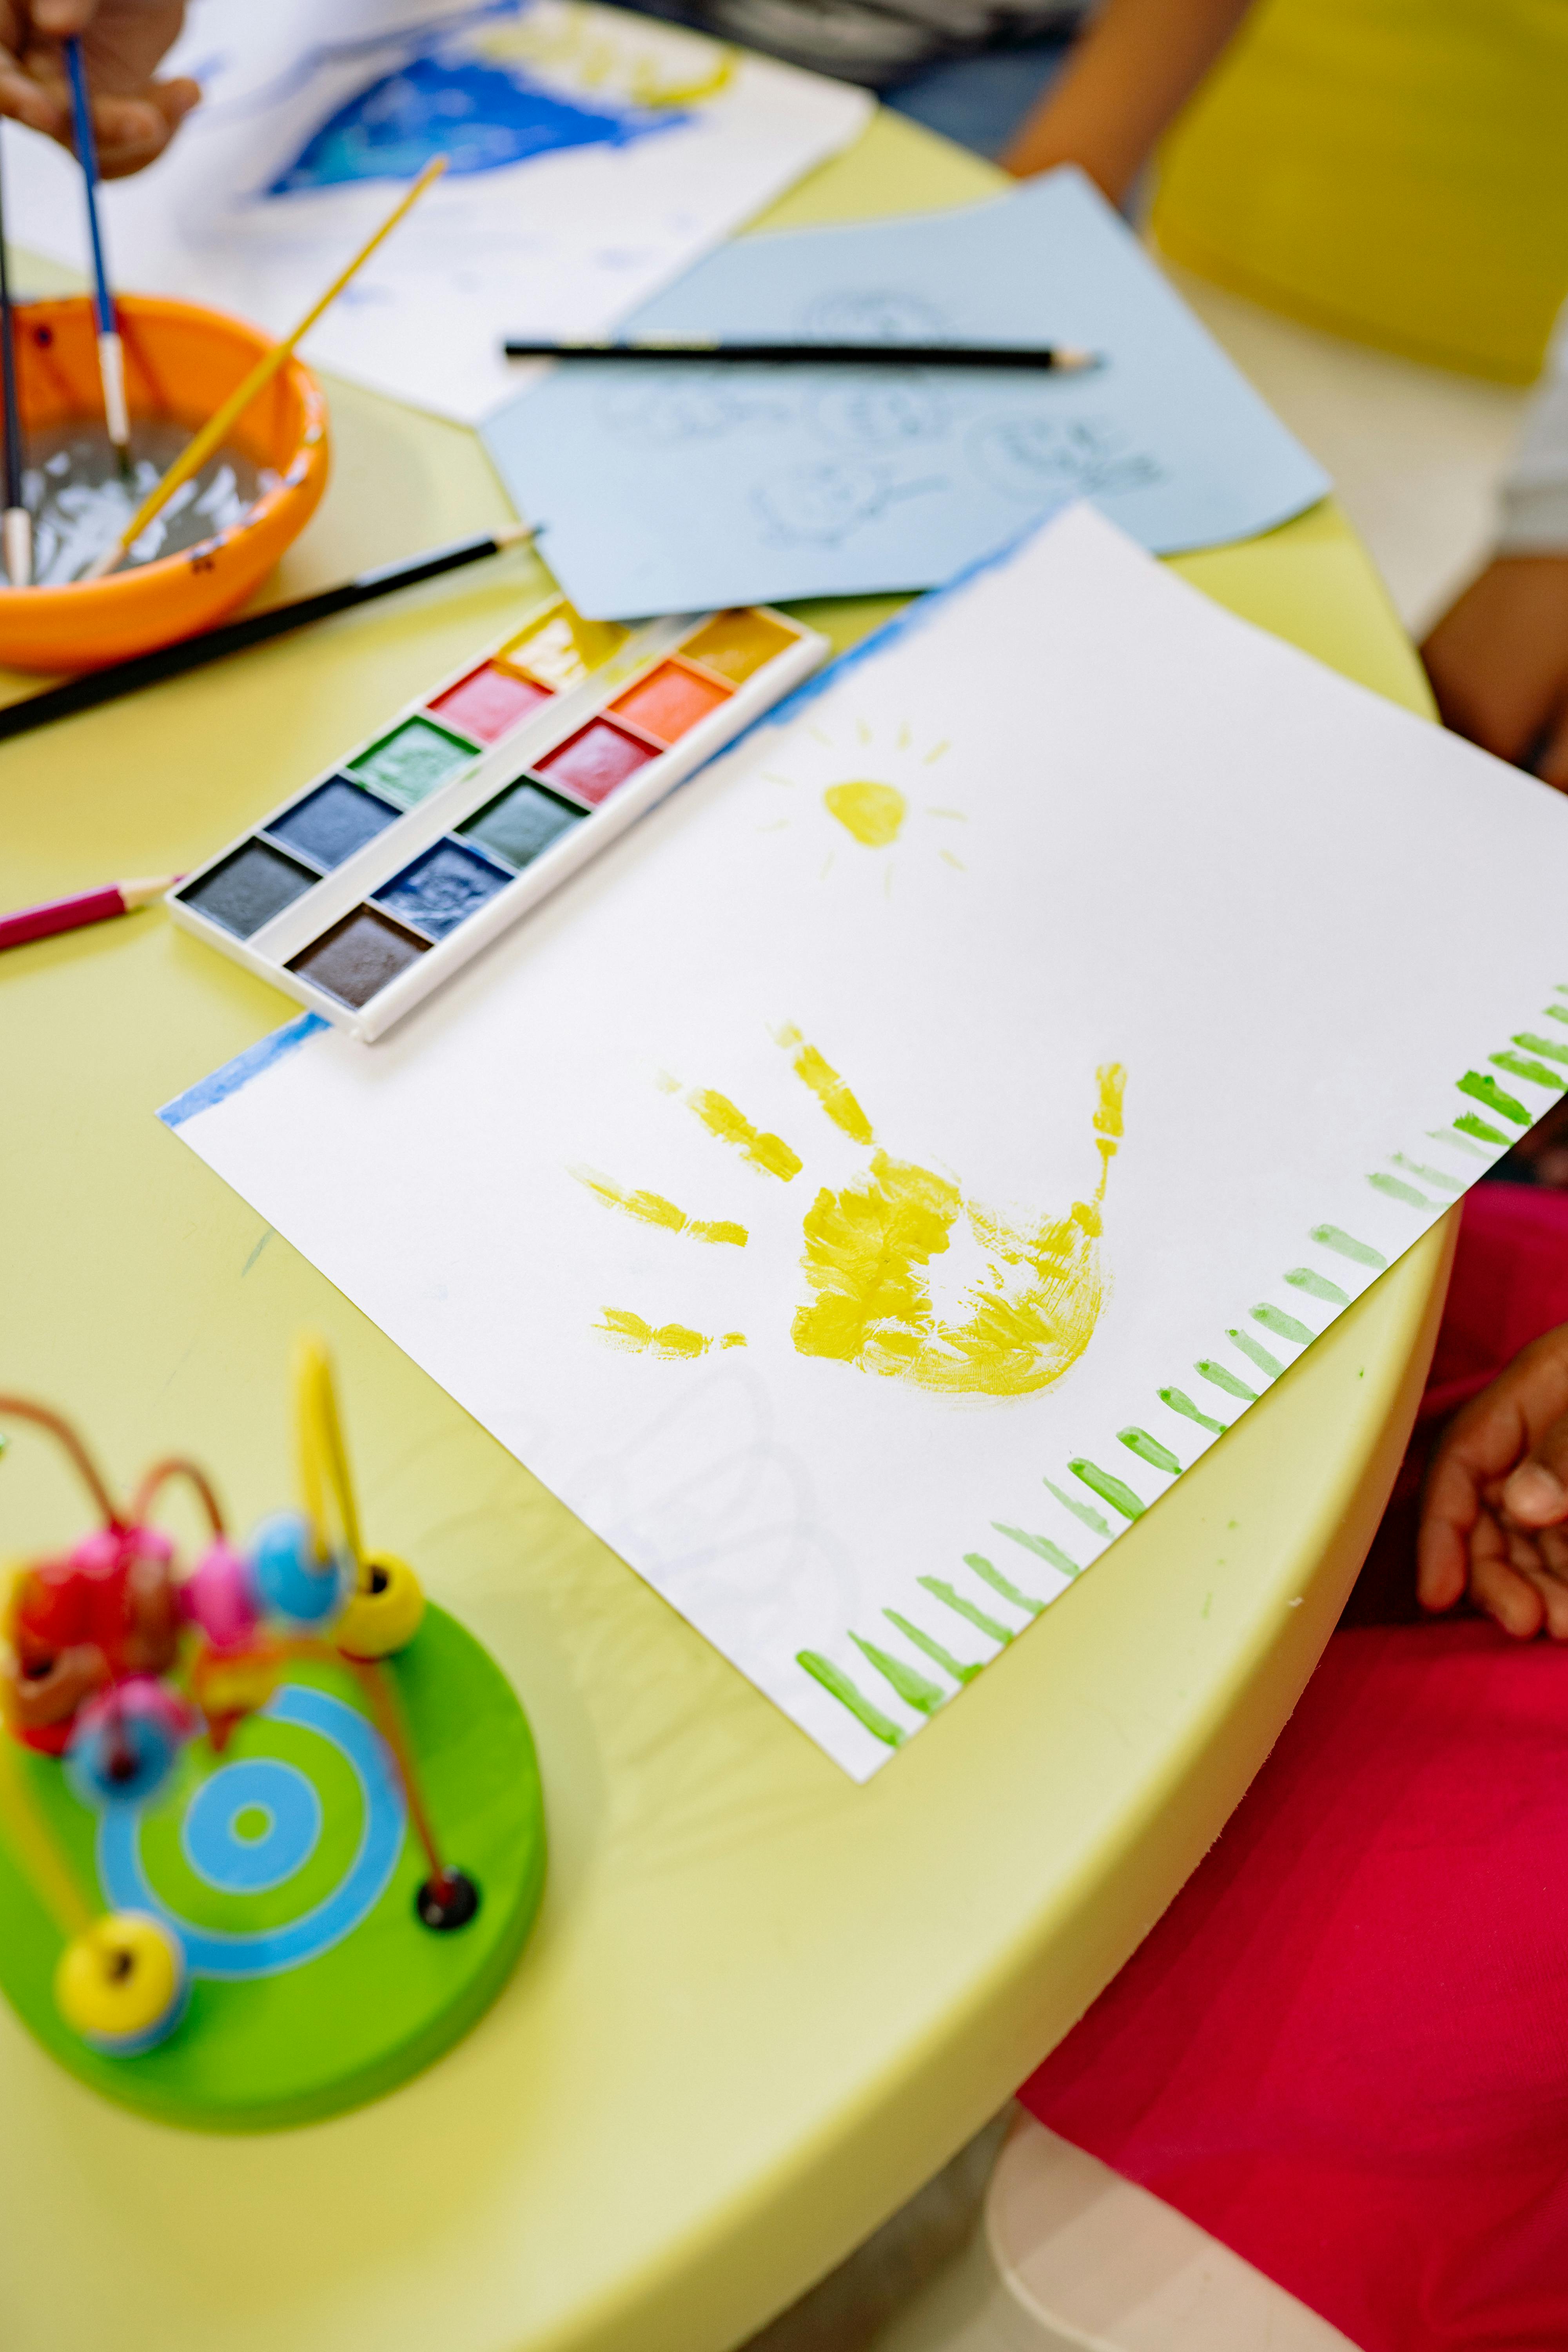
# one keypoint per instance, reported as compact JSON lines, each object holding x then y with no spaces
{"x":35,"y":1851}
{"x":324,"y":1459}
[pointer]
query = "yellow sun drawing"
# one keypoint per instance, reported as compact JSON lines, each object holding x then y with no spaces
{"x":883,"y":790}
{"x":867,"y":1249}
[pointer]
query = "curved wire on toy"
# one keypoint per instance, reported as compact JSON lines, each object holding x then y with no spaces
{"x":323,"y":1476}
{"x":23,"y":1409}
{"x":106,"y":1643}
{"x":176,"y":1467}
{"x":323,"y":1461}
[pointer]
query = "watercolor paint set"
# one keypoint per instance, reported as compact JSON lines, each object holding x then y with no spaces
{"x":369,"y":886}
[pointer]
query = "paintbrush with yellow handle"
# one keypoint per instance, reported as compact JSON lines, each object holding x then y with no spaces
{"x":196,"y":452}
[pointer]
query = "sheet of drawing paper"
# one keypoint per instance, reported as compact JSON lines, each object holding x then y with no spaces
{"x":670,"y":491}
{"x":862,"y":1191}
{"x":594,"y":154}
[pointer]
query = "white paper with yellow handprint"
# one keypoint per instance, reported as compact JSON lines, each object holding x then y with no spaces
{"x":873,"y":1253}
{"x":863,"y":1190}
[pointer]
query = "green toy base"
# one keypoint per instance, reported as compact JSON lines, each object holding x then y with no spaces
{"x":293,"y":1882}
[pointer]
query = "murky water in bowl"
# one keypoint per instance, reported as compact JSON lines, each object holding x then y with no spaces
{"x":80,"y":502}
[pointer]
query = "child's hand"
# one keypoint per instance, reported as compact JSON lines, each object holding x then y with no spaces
{"x":1494,"y":1517}
{"x":1498,"y":661}
{"x":133,"y":116}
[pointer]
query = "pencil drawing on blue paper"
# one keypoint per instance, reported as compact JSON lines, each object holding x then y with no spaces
{"x":669,"y":490}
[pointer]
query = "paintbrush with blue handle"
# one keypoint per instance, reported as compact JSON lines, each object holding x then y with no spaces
{"x":110,"y":351}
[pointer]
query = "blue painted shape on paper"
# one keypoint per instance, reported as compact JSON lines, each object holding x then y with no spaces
{"x":482,"y":117}
{"x":677,"y":489}
{"x":209,"y":1092}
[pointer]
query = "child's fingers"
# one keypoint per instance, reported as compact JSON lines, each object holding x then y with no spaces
{"x":58,"y":19}
{"x":1524,"y":1557}
{"x":132,"y":131}
{"x":23,"y":99}
{"x":1536,"y":1494}
{"x":1480,"y":1446}
{"x":1525,"y":1406}
{"x":1442,"y":1555}
{"x":1512,"y":1598}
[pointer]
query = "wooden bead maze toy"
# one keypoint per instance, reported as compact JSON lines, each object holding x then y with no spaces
{"x":271,"y":1831}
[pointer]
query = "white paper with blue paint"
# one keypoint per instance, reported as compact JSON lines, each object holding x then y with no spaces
{"x":667,"y":490}
{"x":592,"y":156}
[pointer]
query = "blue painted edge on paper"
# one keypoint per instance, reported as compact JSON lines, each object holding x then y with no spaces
{"x":918,"y":613}
{"x":208,"y":1091}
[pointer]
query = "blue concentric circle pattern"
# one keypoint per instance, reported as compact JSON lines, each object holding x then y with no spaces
{"x":280,"y":1800}
{"x":216,"y":1832}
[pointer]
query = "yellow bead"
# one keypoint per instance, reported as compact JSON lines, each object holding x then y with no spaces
{"x":121,"y":1984}
{"x":384,"y":1617}
{"x":240,"y":1684}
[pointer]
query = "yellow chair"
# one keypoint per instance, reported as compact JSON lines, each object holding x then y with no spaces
{"x":1392,"y":170}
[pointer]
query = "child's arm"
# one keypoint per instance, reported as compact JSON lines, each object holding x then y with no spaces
{"x":1131,"y":75}
{"x":1497,"y":659}
{"x":1494,"y":1517}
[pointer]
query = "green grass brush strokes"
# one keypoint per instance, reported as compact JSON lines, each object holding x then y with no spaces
{"x":1149,"y":1449}
{"x":1084,"y":1512}
{"x":1002,"y":1584}
{"x":1470,"y":1125}
{"x":942,"y":1590}
{"x":960,"y":1669}
{"x":1217,"y":1376}
{"x":1283,"y":1325}
{"x":1316,"y":1285}
{"x":1268,"y":1365}
{"x":1535,"y":1074}
{"x":1394,"y":1188}
{"x":1453,"y":1142}
{"x":848,"y":1694}
{"x":1534,"y":1044}
{"x":1557,"y":1013}
{"x":1182,"y":1404}
{"x":1041,"y":1546}
{"x":1346,"y":1245}
{"x":1490,"y":1096}
{"x":1438,"y":1178}
{"x":1107,"y":1486}
{"x":912,"y":1686}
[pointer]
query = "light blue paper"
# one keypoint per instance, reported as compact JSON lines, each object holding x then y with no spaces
{"x":671,"y":489}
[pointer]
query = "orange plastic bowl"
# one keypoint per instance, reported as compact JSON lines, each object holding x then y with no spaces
{"x":181,"y":360}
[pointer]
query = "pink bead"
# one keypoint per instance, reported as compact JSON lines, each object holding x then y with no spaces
{"x":220,"y":1597}
{"x":107,"y":1548}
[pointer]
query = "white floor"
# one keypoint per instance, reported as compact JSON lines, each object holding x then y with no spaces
{"x":1071,"y":2258}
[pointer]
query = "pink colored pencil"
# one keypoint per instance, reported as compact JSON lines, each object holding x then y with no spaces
{"x":86,"y":907}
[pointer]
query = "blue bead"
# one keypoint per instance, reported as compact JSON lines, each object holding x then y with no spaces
{"x":121,"y":1756}
{"x":290,"y":1580}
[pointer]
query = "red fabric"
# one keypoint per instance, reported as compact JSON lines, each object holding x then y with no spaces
{"x":1344,"y":2049}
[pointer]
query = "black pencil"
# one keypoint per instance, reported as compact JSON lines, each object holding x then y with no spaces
{"x":1052,"y":357}
{"x":96,"y":685}
{"x":18,"y":525}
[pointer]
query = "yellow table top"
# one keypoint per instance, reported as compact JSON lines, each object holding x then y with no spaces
{"x":762,"y":2005}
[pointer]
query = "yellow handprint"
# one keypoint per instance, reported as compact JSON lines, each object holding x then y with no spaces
{"x":868,"y":1248}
